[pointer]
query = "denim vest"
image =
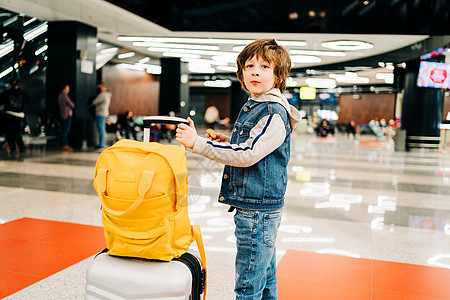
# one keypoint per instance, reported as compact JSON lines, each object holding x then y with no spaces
{"x":261,"y":186}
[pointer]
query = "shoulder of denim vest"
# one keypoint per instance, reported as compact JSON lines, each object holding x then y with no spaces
{"x":277,"y":108}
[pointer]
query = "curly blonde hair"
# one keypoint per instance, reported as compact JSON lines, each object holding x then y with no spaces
{"x":269,"y":50}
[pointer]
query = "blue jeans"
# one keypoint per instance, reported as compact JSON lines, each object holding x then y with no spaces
{"x":256,"y":272}
{"x":101,"y":127}
{"x":65,"y":130}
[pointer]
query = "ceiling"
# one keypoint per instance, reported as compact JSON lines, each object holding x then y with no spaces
{"x":260,"y":19}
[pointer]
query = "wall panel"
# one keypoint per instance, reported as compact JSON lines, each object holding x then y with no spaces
{"x":135,"y":90}
{"x":366,"y":108}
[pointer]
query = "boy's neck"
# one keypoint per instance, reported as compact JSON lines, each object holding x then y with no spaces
{"x":265,"y":92}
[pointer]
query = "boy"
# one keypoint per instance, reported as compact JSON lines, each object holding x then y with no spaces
{"x":256,"y":157}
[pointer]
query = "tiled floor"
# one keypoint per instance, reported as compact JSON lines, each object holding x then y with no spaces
{"x":357,"y":215}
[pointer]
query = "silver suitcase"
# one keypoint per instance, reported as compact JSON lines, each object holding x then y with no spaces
{"x":111,"y":277}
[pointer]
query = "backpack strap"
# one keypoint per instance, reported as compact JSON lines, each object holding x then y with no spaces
{"x":144,"y":186}
{"x":201,"y":249}
{"x":166,"y":153}
{"x":100,"y":182}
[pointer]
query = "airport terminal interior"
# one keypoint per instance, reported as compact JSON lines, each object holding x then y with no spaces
{"x":366,"y":212}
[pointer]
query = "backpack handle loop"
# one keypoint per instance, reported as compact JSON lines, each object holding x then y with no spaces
{"x":144,"y":186}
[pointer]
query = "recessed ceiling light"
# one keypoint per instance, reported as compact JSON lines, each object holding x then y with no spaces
{"x":144,"y":60}
{"x":200,"y":40}
{"x":6,"y":72}
{"x":132,"y":67}
{"x":292,"y":43}
{"x":126,"y":55}
{"x":199,"y":64}
{"x":40,"y":50}
{"x":282,"y":43}
{"x":227,"y":68}
{"x":176,"y":46}
{"x":317,"y":52}
{"x":109,"y":50}
{"x":384,"y":76}
{"x":152,"y":69}
{"x":349,"y":77}
{"x":321,"y":83}
{"x":225,"y":58}
{"x":208,"y":61}
{"x":193,"y":51}
{"x":182,"y":40}
{"x":305,"y":59}
{"x":36,"y":31}
{"x":201,"y":70}
{"x":347,"y":45}
{"x":6,"y":47}
{"x":290,"y":82}
{"x":353,"y":79}
{"x":182,"y":55}
{"x":28,"y":22}
{"x":218,"y":83}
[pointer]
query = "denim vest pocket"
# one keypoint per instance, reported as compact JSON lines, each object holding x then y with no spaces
{"x":243,"y":132}
{"x":271,"y":223}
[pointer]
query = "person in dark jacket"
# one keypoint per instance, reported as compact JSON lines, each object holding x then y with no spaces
{"x":125,"y":125}
{"x":14,"y":100}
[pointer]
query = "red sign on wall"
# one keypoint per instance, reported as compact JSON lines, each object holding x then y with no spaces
{"x":438,"y":75}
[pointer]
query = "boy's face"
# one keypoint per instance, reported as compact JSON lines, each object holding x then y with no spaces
{"x":258,"y":75}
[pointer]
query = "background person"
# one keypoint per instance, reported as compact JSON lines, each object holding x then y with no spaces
{"x":66,"y":107}
{"x":125,"y":125}
{"x":14,"y":100}
{"x":211,"y":117}
{"x":255,"y":175}
{"x":101,"y":103}
{"x":350,"y":129}
{"x":324,"y":128}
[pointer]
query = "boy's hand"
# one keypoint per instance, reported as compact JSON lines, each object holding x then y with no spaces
{"x":186,"y":135}
{"x":216,"y":136}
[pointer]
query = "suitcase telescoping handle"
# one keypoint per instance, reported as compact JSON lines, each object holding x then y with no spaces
{"x":148,"y":121}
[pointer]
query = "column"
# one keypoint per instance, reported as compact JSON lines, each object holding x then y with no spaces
{"x":174,"y":87}
{"x":237,"y":100}
{"x":71,"y":60}
{"x":421,"y":111}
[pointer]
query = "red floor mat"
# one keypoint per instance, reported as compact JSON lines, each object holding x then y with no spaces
{"x":32,"y":249}
{"x":313,"y":276}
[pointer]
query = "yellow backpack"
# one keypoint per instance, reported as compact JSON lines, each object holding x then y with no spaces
{"x":143,"y":190}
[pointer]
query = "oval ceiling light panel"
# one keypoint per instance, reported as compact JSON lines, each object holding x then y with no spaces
{"x":347,"y":45}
